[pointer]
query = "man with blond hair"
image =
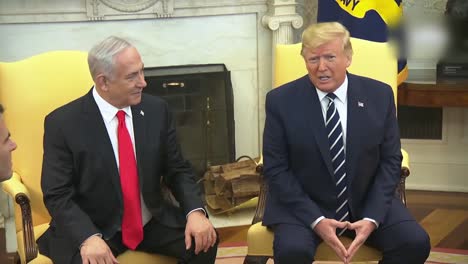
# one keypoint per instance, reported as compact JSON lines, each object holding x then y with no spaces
{"x":332,"y":160}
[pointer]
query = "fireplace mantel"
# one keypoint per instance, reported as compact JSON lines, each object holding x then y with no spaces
{"x":237,"y":33}
{"x":28,"y":11}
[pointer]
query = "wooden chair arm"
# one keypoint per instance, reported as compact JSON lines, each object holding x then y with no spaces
{"x":16,"y":189}
{"x":261,"y":196}
{"x":401,"y":187}
{"x":30,"y":247}
{"x":405,"y":172}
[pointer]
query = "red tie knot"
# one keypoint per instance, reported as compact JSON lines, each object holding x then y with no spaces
{"x":121,"y":116}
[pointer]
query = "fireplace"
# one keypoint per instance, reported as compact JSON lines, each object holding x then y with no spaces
{"x":201,"y":100}
{"x":198,"y":32}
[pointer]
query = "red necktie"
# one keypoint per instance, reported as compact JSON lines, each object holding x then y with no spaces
{"x":132,"y":228}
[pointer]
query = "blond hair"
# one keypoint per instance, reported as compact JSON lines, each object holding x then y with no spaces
{"x":318,"y":34}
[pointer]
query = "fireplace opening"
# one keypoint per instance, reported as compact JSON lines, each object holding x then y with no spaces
{"x":201,"y":100}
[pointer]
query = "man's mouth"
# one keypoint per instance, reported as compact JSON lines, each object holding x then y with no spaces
{"x":324,"y":78}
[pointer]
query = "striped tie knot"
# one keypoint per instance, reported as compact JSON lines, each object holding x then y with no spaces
{"x":331,"y":96}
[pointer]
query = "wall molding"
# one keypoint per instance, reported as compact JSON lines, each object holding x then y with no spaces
{"x":100,"y":9}
{"x":27,"y":11}
{"x":425,"y":6}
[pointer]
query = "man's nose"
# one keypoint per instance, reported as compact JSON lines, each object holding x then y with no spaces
{"x":141,"y":82}
{"x":14,"y":146}
{"x":322,"y":65}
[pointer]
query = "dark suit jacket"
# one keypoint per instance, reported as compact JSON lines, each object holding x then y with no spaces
{"x":80,"y":178}
{"x":297,"y":162}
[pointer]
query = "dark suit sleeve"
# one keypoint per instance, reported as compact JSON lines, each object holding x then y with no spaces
{"x":178,"y":174}
{"x":388,"y":172}
{"x":283,"y":184}
{"x":58,"y":183}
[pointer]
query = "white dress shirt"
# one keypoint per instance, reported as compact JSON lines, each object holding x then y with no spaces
{"x":109,"y":115}
{"x":341,"y":104}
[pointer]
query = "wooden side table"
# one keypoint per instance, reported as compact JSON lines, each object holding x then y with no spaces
{"x":433,"y":95}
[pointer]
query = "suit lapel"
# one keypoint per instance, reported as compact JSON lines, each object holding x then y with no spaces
{"x":356,"y":122}
{"x":101,"y":140}
{"x":317,"y":123}
{"x":140,"y":134}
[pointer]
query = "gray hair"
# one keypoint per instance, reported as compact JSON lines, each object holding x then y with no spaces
{"x":101,"y":56}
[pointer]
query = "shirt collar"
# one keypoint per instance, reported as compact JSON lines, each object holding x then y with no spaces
{"x":340,"y":93}
{"x":107,"y":110}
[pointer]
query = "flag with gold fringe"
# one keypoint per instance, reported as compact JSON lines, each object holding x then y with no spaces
{"x":373,"y":20}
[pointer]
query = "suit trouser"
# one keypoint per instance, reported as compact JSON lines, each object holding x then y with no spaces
{"x":162,"y":240}
{"x":401,"y":241}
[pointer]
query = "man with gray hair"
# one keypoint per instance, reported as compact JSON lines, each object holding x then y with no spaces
{"x":7,"y":145}
{"x":107,"y":156}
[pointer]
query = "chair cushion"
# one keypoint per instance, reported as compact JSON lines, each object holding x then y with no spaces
{"x":260,"y":243}
{"x":130,"y":257}
{"x":41,"y":260}
{"x":136,"y":257}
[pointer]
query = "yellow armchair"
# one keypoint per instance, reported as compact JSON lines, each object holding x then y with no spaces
{"x":370,"y":59}
{"x":29,"y":90}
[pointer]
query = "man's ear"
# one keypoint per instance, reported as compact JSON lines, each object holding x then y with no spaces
{"x":102,"y":82}
{"x":350,"y":59}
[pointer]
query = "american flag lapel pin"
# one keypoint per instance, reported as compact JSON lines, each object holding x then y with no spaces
{"x":142,"y":113}
{"x":360,"y":104}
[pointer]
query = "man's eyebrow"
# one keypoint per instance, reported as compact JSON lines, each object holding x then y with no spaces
{"x":132,"y":73}
{"x":135,"y":72}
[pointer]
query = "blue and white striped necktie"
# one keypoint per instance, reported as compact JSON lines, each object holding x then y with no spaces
{"x":337,"y":151}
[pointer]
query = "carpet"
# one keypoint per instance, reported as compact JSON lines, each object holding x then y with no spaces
{"x":234,"y":253}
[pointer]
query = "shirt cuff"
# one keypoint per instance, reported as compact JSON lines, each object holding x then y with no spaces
{"x":316,"y":222}
{"x":196,"y":209}
{"x":373,"y":221}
